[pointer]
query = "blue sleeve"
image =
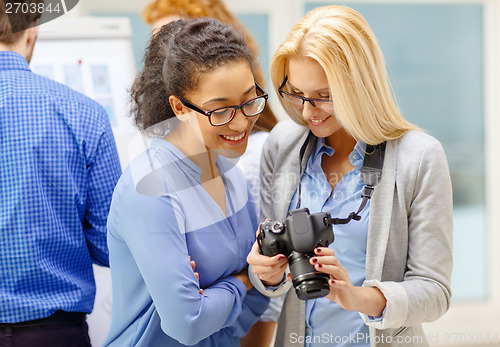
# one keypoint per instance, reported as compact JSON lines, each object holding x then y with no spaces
{"x":103,"y":171}
{"x":255,"y":303}
{"x":254,"y":306}
{"x":153,"y":229}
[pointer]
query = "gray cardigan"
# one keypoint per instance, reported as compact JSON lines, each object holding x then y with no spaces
{"x":409,"y":250}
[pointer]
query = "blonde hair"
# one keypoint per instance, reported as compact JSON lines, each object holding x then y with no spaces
{"x":342,"y":43}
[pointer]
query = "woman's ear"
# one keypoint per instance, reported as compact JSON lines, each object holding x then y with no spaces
{"x":179,"y":109}
{"x":177,"y":106}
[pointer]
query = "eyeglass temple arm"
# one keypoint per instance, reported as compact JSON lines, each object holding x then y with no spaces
{"x":193,"y":107}
{"x":260,"y":89}
{"x":283,"y":84}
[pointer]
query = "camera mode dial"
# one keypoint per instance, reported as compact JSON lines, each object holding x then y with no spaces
{"x":277,"y":227}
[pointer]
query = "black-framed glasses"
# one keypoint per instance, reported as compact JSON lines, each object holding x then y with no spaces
{"x":223,"y":115}
{"x":298,"y":101}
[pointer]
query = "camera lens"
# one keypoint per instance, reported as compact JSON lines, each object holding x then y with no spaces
{"x":308,"y":283}
{"x":313,"y":289}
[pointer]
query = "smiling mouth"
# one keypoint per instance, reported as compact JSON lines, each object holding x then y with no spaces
{"x":318,"y":122}
{"x":237,"y":138}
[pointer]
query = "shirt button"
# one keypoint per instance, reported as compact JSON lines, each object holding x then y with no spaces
{"x":354,"y":156}
{"x":335,"y":196}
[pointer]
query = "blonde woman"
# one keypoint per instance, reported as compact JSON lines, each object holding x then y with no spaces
{"x":390,"y":271}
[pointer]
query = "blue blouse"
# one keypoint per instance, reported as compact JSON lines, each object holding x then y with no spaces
{"x":328,"y":324}
{"x":160,"y":214}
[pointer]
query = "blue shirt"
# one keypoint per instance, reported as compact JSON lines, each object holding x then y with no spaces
{"x":327,"y":323}
{"x":160,"y":214}
{"x":58,"y":168}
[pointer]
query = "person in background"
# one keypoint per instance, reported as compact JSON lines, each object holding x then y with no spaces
{"x":183,"y":203}
{"x":58,"y":168}
{"x":160,"y":12}
{"x":390,"y":270}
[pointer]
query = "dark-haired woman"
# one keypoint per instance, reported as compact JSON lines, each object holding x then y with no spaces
{"x":184,"y":199}
{"x":160,"y":12}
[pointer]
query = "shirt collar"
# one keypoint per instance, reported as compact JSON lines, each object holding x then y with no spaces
{"x":223,"y":164}
{"x":13,"y":61}
{"x":321,"y":148}
{"x":178,"y":157}
{"x":356,"y":157}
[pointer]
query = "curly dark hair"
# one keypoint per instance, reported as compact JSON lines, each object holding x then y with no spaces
{"x":175,"y":61}
{"x":158,"y":9}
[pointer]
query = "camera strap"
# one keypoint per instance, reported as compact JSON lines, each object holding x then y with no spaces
{"x":371,"y":174}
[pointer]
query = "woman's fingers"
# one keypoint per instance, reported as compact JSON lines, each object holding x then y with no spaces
{"x":334,"y":271}
{"x":324,"y":251}
{"x":196,"y":274}
{"x":269,"y":269}
{"x":256,"y":259}
{"x":327,"y":262}
{"x":275,"y":268}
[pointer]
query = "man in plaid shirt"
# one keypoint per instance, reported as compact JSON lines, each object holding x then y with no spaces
{"x":58,"y":169}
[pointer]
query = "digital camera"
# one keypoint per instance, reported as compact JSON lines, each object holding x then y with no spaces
{"x":296,"y":237}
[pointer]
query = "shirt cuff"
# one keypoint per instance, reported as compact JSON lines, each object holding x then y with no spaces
{"x":275,"y":287}
{"x":270,"y":291}
{"x":377,"y":319}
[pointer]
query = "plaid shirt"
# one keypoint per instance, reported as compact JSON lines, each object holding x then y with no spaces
{"x":58,"y":169}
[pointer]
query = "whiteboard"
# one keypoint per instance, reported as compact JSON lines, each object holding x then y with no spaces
{"x":92,"y":55}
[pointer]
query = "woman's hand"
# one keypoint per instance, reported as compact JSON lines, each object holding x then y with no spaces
{"x":197,"y":275}
{"x":366,"y":300}
{"x":269,"y":269}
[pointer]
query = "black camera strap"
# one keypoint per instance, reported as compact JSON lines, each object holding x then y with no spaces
{"x":309,"y":142}
{"x":371,"y":173}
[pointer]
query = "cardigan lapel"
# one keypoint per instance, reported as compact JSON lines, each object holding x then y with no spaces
{"x":292,"y":319}
{"x":380,"y":215}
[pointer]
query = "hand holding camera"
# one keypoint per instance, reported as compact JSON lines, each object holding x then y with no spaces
{"x":270,"y":270}
{"x":296,"y":237}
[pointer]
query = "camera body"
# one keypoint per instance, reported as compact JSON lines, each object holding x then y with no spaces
{"x":296,"y":237}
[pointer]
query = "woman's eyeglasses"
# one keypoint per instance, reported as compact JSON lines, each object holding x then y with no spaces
{"x":223,"y":115}
{"x":298,"y":101}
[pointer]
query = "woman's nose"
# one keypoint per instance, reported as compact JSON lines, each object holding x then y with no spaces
{"x":239,"y":122}
{"x":308,"y":110}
